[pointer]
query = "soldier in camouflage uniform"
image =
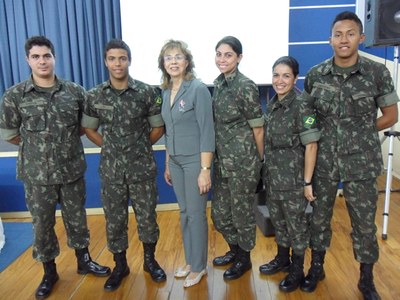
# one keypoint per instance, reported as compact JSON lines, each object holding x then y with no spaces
{"x":239,"y":135}
{"x":346,"y":91}
{"x":42,"y":115}
{"x":290,"y":155}
{"x":129,"y":114}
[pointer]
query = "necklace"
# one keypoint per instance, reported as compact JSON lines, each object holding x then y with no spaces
{"x":175,"y":87}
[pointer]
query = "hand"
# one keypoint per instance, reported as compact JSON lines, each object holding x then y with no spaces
{"x":308,"y":193}
{"x":204,"y":181}
{"x":15,"y":140}
{"x":167,"y":175}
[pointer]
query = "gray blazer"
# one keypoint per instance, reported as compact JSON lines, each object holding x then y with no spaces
{"x":189,"y":123}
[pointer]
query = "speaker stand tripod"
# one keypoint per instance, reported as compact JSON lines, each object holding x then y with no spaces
{"x":391,"y":134}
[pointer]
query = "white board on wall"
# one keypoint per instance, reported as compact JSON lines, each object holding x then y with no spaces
{"x":261,"y":26}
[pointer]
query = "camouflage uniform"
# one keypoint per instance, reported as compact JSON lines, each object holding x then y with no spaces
{"x":51,"y":161}
{"x":346,"y":103}
{"x":237,"y":164}
{"x":127,"y":165}
{"x":286,"y":133}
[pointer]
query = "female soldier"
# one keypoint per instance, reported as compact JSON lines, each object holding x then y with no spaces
{"x":290,"y":155}
{"x":239,"y":150}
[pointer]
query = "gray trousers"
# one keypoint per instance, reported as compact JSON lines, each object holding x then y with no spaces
{"x":184,"y":173}
{"x":42,"y":201}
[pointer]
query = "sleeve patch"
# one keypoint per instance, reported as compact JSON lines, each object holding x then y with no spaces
{"x":159,"y":100}
{"x":309,"y":121}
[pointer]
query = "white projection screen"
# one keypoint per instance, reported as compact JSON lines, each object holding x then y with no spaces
{"x":261,"y":25}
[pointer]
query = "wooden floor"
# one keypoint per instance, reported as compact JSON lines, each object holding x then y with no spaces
{"x":21,"y":278}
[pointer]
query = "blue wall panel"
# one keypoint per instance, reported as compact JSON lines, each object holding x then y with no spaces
{"x":12,"y":196}
{"x":312,"y":25}
{"x":310,"y":55}
{"x":320,"y":2}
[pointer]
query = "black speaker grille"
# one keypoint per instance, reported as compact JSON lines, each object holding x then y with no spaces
{"x":382,"y":23}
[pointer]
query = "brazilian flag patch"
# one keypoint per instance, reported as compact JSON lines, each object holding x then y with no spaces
{"x":159,"y":100}
{"x":309,"y":121}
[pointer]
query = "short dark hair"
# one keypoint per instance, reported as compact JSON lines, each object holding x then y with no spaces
{"x":289,"y":61}
{"x":38,"y":40}
{"x":348,"y":15}
{"x":117,"y":44}
{"x":235,"y":44}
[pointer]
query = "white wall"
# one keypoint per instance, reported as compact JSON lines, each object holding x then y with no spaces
{"x":261,"y":26}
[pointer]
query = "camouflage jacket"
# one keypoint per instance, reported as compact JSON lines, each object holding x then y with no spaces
{"x":48,"y":121}
{"x":346,"y":108}
{"x":125,"y":119}
{"x":237,"y":109}
{"x":286,"y":133}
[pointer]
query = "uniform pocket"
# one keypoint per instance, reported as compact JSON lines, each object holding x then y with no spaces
{"x":106,"y":112}
{"x":69,"y":113}
{"x":281,"y":141}
{"x":323,"y":99}
{"x":361,"y":104}
{"x":33,"y":115}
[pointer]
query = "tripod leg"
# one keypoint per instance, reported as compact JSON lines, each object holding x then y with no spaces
{"x":388,"y":189}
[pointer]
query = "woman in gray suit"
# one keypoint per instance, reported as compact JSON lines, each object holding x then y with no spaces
{"x":190,"y":143}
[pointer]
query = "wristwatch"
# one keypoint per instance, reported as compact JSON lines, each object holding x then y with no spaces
{"x":305,"y":183}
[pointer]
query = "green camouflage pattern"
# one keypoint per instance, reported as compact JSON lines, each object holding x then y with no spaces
{"x":346,"y":102}
{"x":144,"y":198}
{"x":285,"y":130}
{"x":284,"y":146}
{"x":237,"y":165}
{"x":48,"y":121}
{"x":361,"y":201}
{"x":236,"y":102}
{"x":41,"y":201}
{"x":127,"y":165}
{"x":126,"y":153}
{"x":346,"y":108}
{"x":232,"y":209}
{"x":290,"y":223}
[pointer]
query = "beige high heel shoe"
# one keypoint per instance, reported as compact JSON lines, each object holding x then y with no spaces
{"x":196,"y":280}
{"x":182,"y":272}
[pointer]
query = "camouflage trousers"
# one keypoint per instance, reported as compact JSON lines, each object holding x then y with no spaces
{"x":41,"y":201}
{"x":115,"y":198}
{"x":361,"y":197}
{"x":232,"y":210}
{"x":290,"y":223}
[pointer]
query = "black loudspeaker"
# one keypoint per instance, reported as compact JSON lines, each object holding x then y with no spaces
{"x":382,"y":23}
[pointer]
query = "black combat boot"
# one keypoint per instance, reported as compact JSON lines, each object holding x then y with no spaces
{"x":228,"y":258}
{"x":50,"y":277}
{"x":240,"y":266}
{"x":316,"y":272}
{"x":120,"y":271}
{"x":296,"y":274}
{"x":150,"y":265}
{"x":281,"y":262}
{"x":86,"y":265}
{"x":366,"y":284}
